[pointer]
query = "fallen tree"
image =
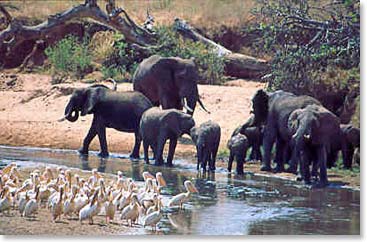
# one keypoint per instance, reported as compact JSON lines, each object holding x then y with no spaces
{"x":22,"y":42}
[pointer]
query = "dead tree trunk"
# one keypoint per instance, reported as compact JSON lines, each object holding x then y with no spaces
{"x":17,"y":35}
{"x":237,"y":65}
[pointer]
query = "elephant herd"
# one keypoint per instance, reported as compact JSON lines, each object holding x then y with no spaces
{"x":304,"y":132}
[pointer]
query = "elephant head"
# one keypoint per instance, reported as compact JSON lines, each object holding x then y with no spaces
{"x":178,"y":122}
{"x":83,"y":100}
{"x":260,"y":107}
{"x":185,"y":75}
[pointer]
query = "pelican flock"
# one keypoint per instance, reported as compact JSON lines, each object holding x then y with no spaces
{"x":71,"y":197}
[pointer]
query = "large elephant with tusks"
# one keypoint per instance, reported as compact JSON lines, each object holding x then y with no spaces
{"x":169,"y":81}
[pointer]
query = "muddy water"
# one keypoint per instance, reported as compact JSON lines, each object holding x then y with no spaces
{"x":226,"y":204}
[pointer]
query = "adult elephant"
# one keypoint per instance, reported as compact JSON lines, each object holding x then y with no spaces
{"x":273,"y":109}
{"x":157,"y":126}
{"x":169,"y":81}
{"x":313,"y":129}
{"x":111,"y":109}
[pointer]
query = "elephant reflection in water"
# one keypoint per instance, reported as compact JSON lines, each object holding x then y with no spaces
{"x":86,"y":166}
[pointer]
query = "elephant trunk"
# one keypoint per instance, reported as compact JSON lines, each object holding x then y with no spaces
{"x":71,"y":113}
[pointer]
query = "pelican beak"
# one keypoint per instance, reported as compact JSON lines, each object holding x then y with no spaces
{"x":161,"y":181}
{"x":192,"y":188}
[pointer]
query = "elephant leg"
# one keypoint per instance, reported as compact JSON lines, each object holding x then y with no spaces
{"x":230,"y":161}
{"x":305,"y":167}
{"x":213,"y":159}
{"x":252,"y":154}
{"x":322,"y":155}
{"x":101,"y":131}
{"x":347,"y":156}
{"x":135,"y":153}
{"x":293,"y":164}
{"x":240,"y":161}
{"x":199,"y":156}
{"x":171,"y":150}
{"x":159,"y":153}
{"x":146,"y":148}
{"x":268,"y":141}
{"x":90,"y":136}
{"x":279,"y":155}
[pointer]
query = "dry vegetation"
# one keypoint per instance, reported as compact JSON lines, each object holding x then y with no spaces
{"x":202,"y":13}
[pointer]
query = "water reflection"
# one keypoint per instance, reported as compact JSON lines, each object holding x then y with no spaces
{"x":226,"y":203}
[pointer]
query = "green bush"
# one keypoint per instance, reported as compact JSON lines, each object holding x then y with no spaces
{"x":69,"y":57}
{"x":210,"y":65}
{"x":123,"y":61}
{"x":314,"y":44}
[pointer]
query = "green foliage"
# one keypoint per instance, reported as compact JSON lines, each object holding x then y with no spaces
{"x":69,"y":56}
{"x":310,"y":43}
{"x":210,"y":65}
{"x":123,"y":61}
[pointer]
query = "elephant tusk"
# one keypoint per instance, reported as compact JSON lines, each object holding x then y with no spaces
{"x":186,"y":106}
{"x":61,"y":119}
{"x":307,"y":136}
{"x":202,"y":106}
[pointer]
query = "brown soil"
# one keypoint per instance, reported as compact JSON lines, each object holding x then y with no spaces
{"x":30,"y":107}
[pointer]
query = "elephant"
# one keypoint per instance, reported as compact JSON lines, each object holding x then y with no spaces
{"x":156,"y":126}
{"x":254,"y":135}
{"x":168,"y":81}
{"x":111,"y":109}
{"x":313,"y":129}
{"x":206,"y":138}
{"x":272,"y":109}
{"x":237,"y":145}
{"x":347,"y":141}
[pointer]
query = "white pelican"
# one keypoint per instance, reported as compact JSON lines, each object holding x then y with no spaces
{"x":160,"y":182}
{"x":90,"y":210}
{"x":57,"y":207}
{"x":22,"y":202}
{"x":179,"y":199}
{"x":131,"y":212}
{"x":5,"y":200}
{"x":153,"y":218}
{"x":69,"y":204}
{"x":32,"y":205}
{"x":147,"y":175}
{"x":110,"y":208}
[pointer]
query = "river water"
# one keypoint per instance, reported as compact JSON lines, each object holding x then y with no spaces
{"x":226,"y":204}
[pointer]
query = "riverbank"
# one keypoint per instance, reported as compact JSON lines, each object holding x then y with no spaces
{"x":30,"y":107}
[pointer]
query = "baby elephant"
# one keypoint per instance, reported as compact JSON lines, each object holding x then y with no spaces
{"x":206,"y":138}
{"x":237,"y":145}
{"x":156,"y":126}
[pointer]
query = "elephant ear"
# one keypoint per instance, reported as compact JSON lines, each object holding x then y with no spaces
{"x":92,"y":97}
{"x":293,"y":121}
{"x":170,"y":123}
{"x":260,"y":105}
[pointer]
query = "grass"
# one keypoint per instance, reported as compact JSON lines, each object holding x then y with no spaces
{"x":202,"y":13}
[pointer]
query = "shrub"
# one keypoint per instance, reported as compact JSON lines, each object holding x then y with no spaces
{"x":69,"y":57}
{"x":310,"y":43}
